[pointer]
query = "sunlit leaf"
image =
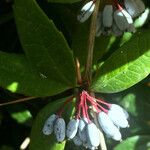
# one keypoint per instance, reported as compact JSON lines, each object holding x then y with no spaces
{"x":126,"y":66}
{"x":21,"y":117}
{"x":38,"y":139}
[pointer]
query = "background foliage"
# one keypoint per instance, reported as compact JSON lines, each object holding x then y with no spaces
{"x":39,"y":41}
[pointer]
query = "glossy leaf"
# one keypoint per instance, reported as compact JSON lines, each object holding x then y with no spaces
{"x":43,"y":44}
{"x":38,"y":139}
{"x":126,"y":66}
{"x":134,"y":143}
{"x":18,"y":76}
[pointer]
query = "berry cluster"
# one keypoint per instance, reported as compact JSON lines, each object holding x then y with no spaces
{"x":115,"y":18}
{"x":82,"y":128}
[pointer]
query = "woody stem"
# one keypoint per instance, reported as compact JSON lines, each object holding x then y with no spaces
{"x":18,"y":101}
{"x":91,"y":41}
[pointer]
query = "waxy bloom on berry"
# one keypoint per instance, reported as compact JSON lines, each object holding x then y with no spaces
{"x":86,"y":11}
{"x":134,"y":7}
{"x":108,"y":127}
{"x":108,"y":16}
{"x":122,"y":19}
{"x":60,"y":129}
{"x":83,"y":130}
{"x":77,"y":141}
{"x":72,"y":128}
{"x":119,"y":116}
{"x":48,"y":126}
{"x":115,"y":17}
{"x":93,"y":135}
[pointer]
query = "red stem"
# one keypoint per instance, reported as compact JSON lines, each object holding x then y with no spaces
{"x":103,"y":102}
{"x":80,"y":106}
{"x":116,"y":2}
{"x":90,"y":99}
{"x":103,"y":109}
{"x":95,"y":103}
{"x":86,"y":109}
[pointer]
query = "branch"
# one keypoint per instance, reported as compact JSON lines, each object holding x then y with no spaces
{"x":91,"y":41}
{"x":18,"y":101}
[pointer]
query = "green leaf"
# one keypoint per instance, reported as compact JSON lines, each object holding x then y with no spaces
{"x":129,"y":101}
{"x":63,"y":1}
{"x":43,"y":44}
{"x":21,"y":117}
{"x":134,"y":143}
{"x":126,"y":66}
{"x":17,"y":76}
{"x":39,"y":141}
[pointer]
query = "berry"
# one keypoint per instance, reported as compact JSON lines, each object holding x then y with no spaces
{"x":108,"y":127}
{"x":72,"y":128}
{"x":48,"y":126}
{"x":60,"y":129}
{"x":86,"y":11}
